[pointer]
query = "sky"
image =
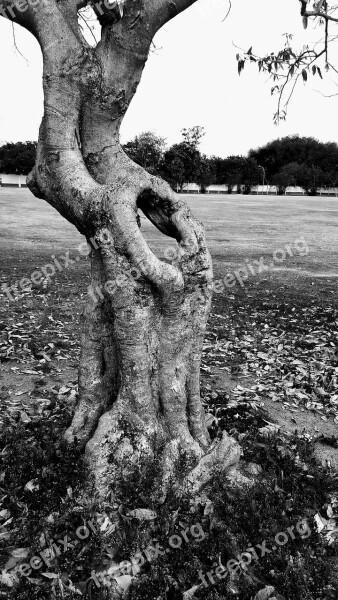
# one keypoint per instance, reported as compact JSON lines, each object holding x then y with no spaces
{"x":191,"y":79}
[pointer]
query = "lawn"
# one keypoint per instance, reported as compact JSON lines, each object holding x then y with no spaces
{"x":270,"y":368}
{"x":238,"y":228}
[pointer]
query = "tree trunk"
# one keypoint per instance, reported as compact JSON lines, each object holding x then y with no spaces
{"x":145,"y":319}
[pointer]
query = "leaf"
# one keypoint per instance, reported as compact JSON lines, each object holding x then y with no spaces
{"x":143,"y":514}
{"x":64,"y":389}
{"x":31,"y":486}
{"x":7,"y":578}
{"x":24,"y":417}
{"x":320,"y":522}
{"x":269,"y":429}
{"x":50,"y":575}
{"x":190,"y":593}
{"x":20,"y":552}
{"x":240,"y":66}
{"x":304,"y":75}
{"x":124,"y":582}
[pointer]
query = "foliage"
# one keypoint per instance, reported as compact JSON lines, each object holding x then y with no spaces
{"x":302,"y":161}
{"x":231,"y":174}
{"x":206,"y":173}
{"x":17,"y":158}
{"x":286,"y":176}
{"x":310,"y":179}
{"x":193,"y":135}
{"x":293,"y":160}
{"x":182,"y":164}
{"x":147,"y":150}
{"x":238,"y":170}
{"x":289,"y":65}
{"x":251,"y":174}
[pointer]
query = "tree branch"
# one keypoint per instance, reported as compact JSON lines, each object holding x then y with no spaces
{"x":321,"y":15}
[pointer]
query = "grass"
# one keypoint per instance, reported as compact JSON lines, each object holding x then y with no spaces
{"x":291,"y":487}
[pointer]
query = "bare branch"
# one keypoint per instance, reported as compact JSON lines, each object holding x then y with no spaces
{"x":229,"y":9}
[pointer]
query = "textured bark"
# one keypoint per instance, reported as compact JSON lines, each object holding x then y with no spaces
{"x":143,"y":334}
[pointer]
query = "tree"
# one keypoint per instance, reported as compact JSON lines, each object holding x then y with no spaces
{"x":193,"y":135}
{"x":286,"y":176}
{"x":232,"y":167}
{"x":147,"y":150}
{"x":251,"y":174}
{"x":17,"y":158}
{"x":218,"y":169}
{"x":139,"y":391}
{"x":295,"y":149}
{"x":310,"y":179}
{"x":183,"y":162}
{"x":206,"y":173}
{"x":181,"y":165}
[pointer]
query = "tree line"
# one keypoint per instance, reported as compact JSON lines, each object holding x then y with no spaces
{"x":289,"y":161}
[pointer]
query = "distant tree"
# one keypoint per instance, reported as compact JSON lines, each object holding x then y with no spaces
{"x":193,"y":135}
{"x":302,"y":150}
{"x":286,"y":176}
{"x":251,"y":174}
{"x":310,"y":179}
{"x":206,"y":174}
{"x":218,"y":168}
{"x":331,"y":177}
{"x":147,"y":150}
{"x":232,"y":171}
{"x":182,"y":163}
{"x":18,"y":158}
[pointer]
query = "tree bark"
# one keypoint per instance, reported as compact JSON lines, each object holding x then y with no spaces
{"x":145,"y":319}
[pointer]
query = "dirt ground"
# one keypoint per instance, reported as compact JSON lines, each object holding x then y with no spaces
{"x":295,"y":293}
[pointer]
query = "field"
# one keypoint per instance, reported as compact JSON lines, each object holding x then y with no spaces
{"x":269,"y":377}
{"x":279,"y":255}
{"x":238,"y":228}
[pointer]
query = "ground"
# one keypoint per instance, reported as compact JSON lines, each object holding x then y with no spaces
{"x":294,"y":235}
{"x":271,"y":342}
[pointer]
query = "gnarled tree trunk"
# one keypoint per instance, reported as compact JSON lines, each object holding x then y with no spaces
{"x":145,"y":319}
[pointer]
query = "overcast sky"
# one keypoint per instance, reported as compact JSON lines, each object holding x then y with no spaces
{"x":191,"y":79}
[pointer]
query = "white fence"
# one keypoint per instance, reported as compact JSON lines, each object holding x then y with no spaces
{"x":193,"y":188}
{"x":12,"y":180}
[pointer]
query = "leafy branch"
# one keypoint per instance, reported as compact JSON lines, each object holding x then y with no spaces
{"x":288,"y":66}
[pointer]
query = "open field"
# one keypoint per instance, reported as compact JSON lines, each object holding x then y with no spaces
{"x":238,"y":228}
{"x":293,"y":237}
